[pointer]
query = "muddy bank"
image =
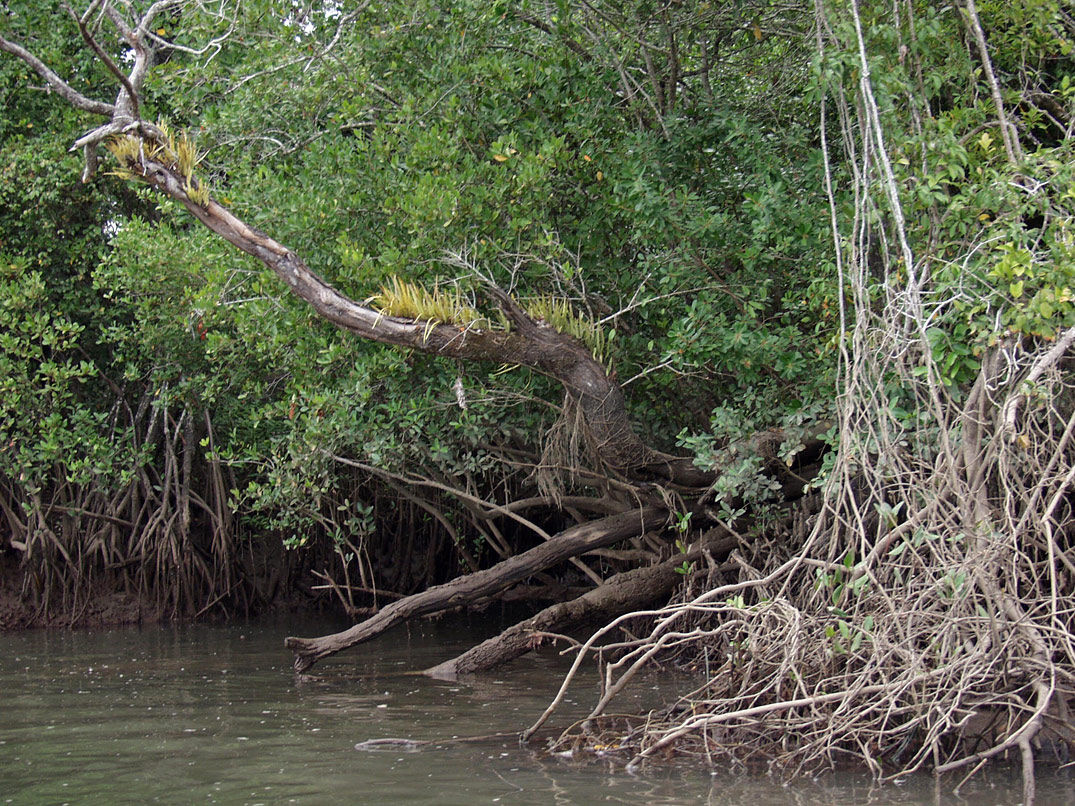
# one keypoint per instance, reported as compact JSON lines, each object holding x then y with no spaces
{"x":272,"y":587}
{"x":264,"y":578}
{"x":104,"y":608}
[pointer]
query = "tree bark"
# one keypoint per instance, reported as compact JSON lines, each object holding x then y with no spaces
{"x":532,"y":344}
{"x":464,"y":590}
{"x":620,"y":594}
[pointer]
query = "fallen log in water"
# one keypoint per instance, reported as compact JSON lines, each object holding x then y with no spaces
{"x":620,"y":594}
{"x":464,"y":590}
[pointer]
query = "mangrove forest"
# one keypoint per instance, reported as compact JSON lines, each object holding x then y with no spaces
{"x":726,"y":338}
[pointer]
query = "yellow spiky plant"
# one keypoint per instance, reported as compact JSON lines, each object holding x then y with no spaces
{"x":407,"y":300}
{"x":180,"y":154}
{"x":559,"y":314}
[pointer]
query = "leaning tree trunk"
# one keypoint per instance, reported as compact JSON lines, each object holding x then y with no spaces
{"x":529,"y":343}
{"x":149,"y":153}
{"x":620,"y":594}
{"x":464,"y":590}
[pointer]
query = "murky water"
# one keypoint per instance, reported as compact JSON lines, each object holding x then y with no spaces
{"x":195,"y":715}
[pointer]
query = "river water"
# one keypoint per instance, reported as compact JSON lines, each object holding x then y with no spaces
{"x":214,"y":715}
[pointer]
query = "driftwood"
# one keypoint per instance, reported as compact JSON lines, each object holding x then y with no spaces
{"x":620,"y":594}
{"x":464,"y":590}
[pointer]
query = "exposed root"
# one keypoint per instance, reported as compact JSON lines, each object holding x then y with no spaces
{"x":926,"y":620}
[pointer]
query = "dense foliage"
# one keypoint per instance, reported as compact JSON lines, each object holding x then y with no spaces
{"x":674,"y":205}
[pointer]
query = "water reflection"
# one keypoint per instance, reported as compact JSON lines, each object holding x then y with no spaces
{"x":215,"y":715}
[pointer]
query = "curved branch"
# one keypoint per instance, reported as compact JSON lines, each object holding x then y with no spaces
{"x":1010,"y":411}
{"x":531,"y":344}
{"x":142,"y":28}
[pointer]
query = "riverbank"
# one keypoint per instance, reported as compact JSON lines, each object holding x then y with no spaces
{"x":102,"y":609}
{"x":277,"y":591}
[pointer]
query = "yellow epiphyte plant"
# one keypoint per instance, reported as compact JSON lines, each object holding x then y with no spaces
{"x":128,"y":151}
{"x":180,"y":154}
{"x":187,"y":159}
{"x":186,"y":154}
{"x":559,"y":314}
{"x":407,"y":300}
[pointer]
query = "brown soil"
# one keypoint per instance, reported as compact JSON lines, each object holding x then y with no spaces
{"x":104,"y":609}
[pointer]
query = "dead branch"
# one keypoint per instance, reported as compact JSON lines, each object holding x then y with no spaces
{"x":462,"y":591}
{"x":619,"y":594}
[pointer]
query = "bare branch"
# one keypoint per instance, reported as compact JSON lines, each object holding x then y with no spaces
{"x":65,"y":90}
{"x":1043,"y":364}
{"x":142,"y":28}
{"x":103,"y":56}
{"x":1007,"y":128}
